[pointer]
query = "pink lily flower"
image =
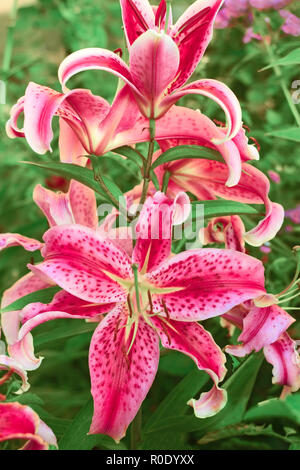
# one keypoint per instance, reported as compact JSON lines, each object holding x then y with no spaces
{"x":156,"y":297}
{"x":21,"y":422}
{"x":78,"y":205}
{"x":265,"y":328}
{"x":161,"y":62}
{"x":207,"y":179}
{"x":228,"y":230}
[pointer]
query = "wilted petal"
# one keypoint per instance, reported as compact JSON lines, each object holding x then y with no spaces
{"x":283,"y":355}
{"x":212,"y":281}
{"x":120,"y":381}
{"x":261,"y":327}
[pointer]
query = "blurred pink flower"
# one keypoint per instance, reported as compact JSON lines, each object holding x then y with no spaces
{"x":274,"y":176}
{"x":294,"y":214}
{"x":292,"y":23}
{"x":250,"y":34}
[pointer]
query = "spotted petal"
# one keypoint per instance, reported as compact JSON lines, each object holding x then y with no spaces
{"x":212,"y":281}
{"x":192,"y":339}
{"x":79,"y":260}
{"x":120,"y":380}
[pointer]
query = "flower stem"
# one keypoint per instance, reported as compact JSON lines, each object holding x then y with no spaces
{"x":136,"y":430}
{"x":149,"y":161}
{"x":10,"y":39}
{"x":282,"y":83}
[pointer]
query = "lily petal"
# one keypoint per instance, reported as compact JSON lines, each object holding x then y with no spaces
{"x":120,"y":380}
{"x":212,"y":281}
{"x":79,"y":260}
{"x":95,"y":59}
{"x":261,"y":327}
{"x":154,"y":61}
{"x":268,"y":227}
{"x":283,"y":355}
{"x":12,"y":128}
{"x":218,"y":92}
{"x":10,"y":364}
{"x":192,"y":33}
{"x":20,"y":422}
{"x":137,"y":17}
{"x":14,"y":239}
{"x":154,"y":229}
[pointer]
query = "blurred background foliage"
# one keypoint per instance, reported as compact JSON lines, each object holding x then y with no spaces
{"x":45,"y":32}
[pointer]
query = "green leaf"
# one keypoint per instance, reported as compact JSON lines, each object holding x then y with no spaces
{"x":186,"y":151}
{"x":71,"y":171}
{"x":131,"y":154}
{"x":44,"y":296}
{"x":293,"y":134}
{"x":239,"y":388}
{"x":292,"y":58}
{"x":63,"y":331}
{"x":239,"y":430}
{"x":287,"y":409}
{"x":76,"y":438}
{"x":222,"y":207}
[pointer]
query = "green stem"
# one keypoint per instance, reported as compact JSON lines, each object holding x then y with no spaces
{"x":282,"y":83}
{"x":10,"y":38}
{"x":136,"y":431}
{"x":149,"y":161}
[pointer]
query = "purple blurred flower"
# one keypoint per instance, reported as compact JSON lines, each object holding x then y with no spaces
{"x":274,"y":176}
{"x":294,"y":214}
{"x":250,"y":34}
{"x":292,"y":23}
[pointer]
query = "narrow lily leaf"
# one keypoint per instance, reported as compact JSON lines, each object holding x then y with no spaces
{"x":287,"y":410}
{"x":154,"y":180}
{"x":292,"y":58}
{"x":75,"y":172}
{"x":65,"y":330}
{"x":239,"y":388}
{"x":175,"y":402}
{"x":44,"y":296}
{"x":240,"y":430}
{"x":220,"y":207}
{"x":186,"y":151}
{"x":131,"y":154}
{"x":76,"y":437}
{"x":293,"y":134}
{"x":112,"y":188}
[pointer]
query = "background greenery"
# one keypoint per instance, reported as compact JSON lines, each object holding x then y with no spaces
{"x":44,"y":34}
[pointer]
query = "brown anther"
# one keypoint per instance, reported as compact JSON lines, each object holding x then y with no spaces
{"x":129,"y":306}
{"x":125,"y":354}
{"x":255,"y":143}
{"x":6,"y":376}
{"x":165,"y":309}
{"x":117,"y":329}
{"x":219,"y":123}
{"x":119,"y":52}
{"x":150,"y":301}
{"x":246,"y":128}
